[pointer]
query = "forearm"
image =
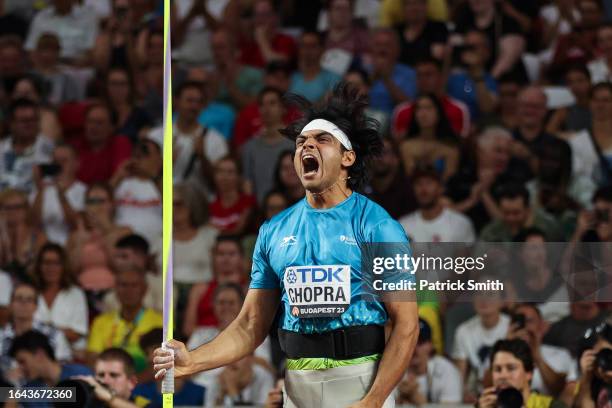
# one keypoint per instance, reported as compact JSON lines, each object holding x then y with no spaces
{"x":70,"y":216}
{"x":510,"y":52}
{"x":101,"y":51}
{"x":397,"y":354}
{"x":37,"y":206}
{"x":554,"y":381}
{"x":397,"y":94}
{"x":583,"y":399}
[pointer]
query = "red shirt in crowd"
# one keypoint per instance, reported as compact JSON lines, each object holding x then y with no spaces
{"x":250,"y":54}
{"x":457,"y":113}
{"x":249,"y":123}
{"x":206,"y":314}
{"x":226,"y":218}
{"x":99,"y":166}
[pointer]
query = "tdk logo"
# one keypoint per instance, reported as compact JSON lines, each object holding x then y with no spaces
{"x":315,"y":274}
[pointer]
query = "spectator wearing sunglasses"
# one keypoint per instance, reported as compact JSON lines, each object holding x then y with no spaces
{"x":595,"y":384}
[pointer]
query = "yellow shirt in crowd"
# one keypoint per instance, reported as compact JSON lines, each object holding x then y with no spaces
{"x":392,"y":11}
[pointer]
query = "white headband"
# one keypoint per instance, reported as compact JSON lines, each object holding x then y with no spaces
{"x":332,"y":129}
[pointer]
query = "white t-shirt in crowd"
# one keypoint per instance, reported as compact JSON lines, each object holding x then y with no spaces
{"x":214,"y":146}
{"x":442,"y":383}
{"x":208,"y":379}
{"x":560,"y":361}
{"x":6,"y":289}
{"x":473,"y":342}
{"x":55,"y":225}
{"x":600,"y":72}
{"x":139,"y":206}
{"x":449,"y":226}
{"x":192,"y":259}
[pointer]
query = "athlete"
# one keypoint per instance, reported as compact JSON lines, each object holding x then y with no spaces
{"x":308,"y":259}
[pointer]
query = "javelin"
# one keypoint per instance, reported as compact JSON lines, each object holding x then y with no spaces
{"x":167,"y":387}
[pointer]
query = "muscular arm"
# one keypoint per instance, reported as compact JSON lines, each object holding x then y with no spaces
{"x":398,"y":351}
{"x":238,"y":340}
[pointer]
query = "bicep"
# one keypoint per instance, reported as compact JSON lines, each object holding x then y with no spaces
{"x":259,"y":310}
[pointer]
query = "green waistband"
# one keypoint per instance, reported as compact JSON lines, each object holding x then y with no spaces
{"x":325,"y":363}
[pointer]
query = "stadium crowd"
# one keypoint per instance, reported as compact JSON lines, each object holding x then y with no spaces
{"x":497,"y":124}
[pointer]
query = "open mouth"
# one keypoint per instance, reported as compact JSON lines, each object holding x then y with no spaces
{"x":310,"y":164}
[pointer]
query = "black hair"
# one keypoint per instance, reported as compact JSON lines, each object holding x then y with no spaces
{"x":345,"y":108}
{"x":531,"y":305}
{"x":118,"y":354}
{"x":230,"y":238}
{"x":514,"y":190}
{"x":599,"y":86}
{"x":518,"y":348}
{"x":603,"y":194}
{"x":579,"y":68}
{"x":152,"y":338}
{"x":189,"y":85}
{"x":444,"y":131}
{"x":362,"y":74}
{"x":31,"y":341}
{"x":21,"y":103}
{"x":525,"y":233}
{"x":134,"y":242}
{"x":278,"y":66}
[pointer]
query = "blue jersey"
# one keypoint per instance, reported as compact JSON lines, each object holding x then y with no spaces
{"x":314,"y":256}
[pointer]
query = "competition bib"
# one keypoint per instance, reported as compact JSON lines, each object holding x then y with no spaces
{"x":318,"y":291}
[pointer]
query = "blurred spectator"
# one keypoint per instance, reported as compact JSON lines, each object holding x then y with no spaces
{"x":101,"y":151}
{"x":475,"y":337}
{"x":138,"y":188}
{"x":539,"y":276}
{"x":232,"y":210}
{"x":194,"y":237}
{"x":430,"y":378}
{"x":577,"y":116}
{"x":123,"y":327}
{"x":121,"y":97}
{"x":38,"y":362}
{"x":389,"y":185}
{"x":474,"y":188}
{"x":420,"y":37}
{"x":31,"y":87}
{"x":59,"y":195}
{"x":242,"y":382}
{"x":264,"y":149}
{"x":433,"y":222}
{"x":24,"y":148}
{"x":115,"y":45}
{"x":594,"y":225}
{"x":132,"y":251}
{"x":61,"y":303}
{"x":567,"y":332}
{"x":600,"y":68}
{"x":151,"y":85}
{"x":503,"y":31}
{"x":592,"y":147}
{"x":22,"y":310}
{"x":248,"y":121}
{"x":227,"y":302}
{"x":115,"y":379}
{"x":360,"y":79}
{"x":196,"y":148}
{"x":553,"y":366}
{"x":430,"y":140}
{"x":228,"y":267}
{"x":186,"y":392}
{"x":580,"y":45}
{"x":20,"y":237}
{"x":239,"y":84}
{"x":6,"y":289}
{"x":263,"y":43}
{"x":430,"y":81}
{"x":78,"y":42}
{"x":506,"y":114}
{"x":311,"y":80}
{"x":512,"y":366}
{"x":392,"y":81}
{"x":469,"y":81}
{"x":517,"y":214}
{"x":12,"y":62}
{"x":595,"y":381}
{"x":274,"y":202}
{"x":391,"y":11}
{"x":342,"y":32}
{"x":192,"y":22}
{"x":530,"y":132}
{"x":286,"y":179}
{"x":216,"y":115}
{"x":90,"y":246}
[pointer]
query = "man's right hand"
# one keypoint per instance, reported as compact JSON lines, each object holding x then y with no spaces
{"x":488,"y":398}
{"x":164,"y":360}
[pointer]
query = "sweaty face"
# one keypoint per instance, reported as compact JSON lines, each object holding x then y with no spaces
{"x":112,"y":373}
{"x":318,"y":160}
{"x":508,"y":371}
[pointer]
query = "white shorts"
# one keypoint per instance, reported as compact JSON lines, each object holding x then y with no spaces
{"x":331,"y":388}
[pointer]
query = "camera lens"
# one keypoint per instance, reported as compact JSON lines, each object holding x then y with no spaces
{"x":509,"y":398}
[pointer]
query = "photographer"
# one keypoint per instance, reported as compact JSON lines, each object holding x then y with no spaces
{"x":512,"y":370}
{"x":115,"y":379}
{"x":595,"y":384}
